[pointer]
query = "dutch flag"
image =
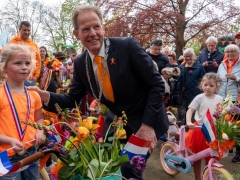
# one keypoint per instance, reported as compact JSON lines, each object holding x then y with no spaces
{"x":6,"y":167}
{"x":136,"y":147}
{"x":208,"y":127}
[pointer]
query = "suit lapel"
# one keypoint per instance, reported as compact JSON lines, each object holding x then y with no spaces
{"x":113,"y":65}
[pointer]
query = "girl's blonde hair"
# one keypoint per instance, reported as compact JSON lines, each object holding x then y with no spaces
{"x":7,"y":54}
{"x":215,"y":77}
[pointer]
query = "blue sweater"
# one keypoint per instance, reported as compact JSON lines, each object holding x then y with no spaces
{"x":190,"y":79}
{"x":207,"y":56}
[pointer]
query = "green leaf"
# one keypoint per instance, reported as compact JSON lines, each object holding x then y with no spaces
{"x":120,"y":160}
{"x":73,"y":153}
{"x":102,"y":165}
{"x":105,"y":156}
{"x":106,"y":145}
{"x":63,"y":173}
{"x":111,"y":138}
{"x":94,"y":164}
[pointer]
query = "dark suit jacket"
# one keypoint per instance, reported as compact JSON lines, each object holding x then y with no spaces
{"x":137,"y":86}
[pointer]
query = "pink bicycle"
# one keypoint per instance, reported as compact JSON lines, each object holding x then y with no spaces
{"x":177,"y":158}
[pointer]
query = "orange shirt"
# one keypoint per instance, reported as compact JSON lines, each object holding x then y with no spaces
{"x":7,"y":123}
{"x":229,"y":67}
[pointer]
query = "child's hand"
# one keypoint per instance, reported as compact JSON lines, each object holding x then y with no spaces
{"x":40,"y":137}
{"x":17,"y":145}
{"x":190,"y":125}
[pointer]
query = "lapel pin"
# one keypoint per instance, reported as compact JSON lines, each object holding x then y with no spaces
{"x":112,"y":61}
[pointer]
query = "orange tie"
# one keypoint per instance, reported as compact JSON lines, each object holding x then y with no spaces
{"x":106,"y":85}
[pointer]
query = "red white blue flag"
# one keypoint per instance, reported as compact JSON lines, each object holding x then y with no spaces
{"x":208,"y":127}
{"x":136,"y":147}
{"x":6,"y":167}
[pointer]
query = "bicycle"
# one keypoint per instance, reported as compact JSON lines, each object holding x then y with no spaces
{"x":177,"y":158}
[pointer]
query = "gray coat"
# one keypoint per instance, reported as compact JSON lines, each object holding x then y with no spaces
{"x":228,"y":85}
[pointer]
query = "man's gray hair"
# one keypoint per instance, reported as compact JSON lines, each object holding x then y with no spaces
{"x":211,"y":39}
{"x":84,"y":8}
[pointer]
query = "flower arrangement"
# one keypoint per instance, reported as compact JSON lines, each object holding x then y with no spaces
{"x":227,"y":126}
{"x":86,"y":153}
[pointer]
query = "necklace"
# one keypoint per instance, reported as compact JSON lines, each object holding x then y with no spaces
{"x":103,"y":73}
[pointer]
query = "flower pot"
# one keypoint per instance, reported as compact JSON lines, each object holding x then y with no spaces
{"x":112,"y":177}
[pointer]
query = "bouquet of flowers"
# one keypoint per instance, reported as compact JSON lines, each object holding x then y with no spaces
{"x":86,"y":153}
{"x":227,"y":126}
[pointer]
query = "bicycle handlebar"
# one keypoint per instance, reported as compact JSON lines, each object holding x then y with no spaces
{"x":31,"y":159}
{"x":40,"y":154}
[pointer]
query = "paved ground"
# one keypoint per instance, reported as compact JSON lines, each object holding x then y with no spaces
{"x":154,"y":169}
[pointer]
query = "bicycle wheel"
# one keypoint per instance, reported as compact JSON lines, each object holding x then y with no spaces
{"x":43,"y":175}
{"x":217,"y":173}
{"x":168,"y":148}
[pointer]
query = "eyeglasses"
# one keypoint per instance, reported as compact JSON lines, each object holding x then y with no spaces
{"x":228,"y":52}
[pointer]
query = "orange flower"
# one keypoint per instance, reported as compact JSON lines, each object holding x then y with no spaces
{"x":83,"y":133}
{"x":47,"y":122}
{"x":227,"y":117}
{"x":224,"y":145}
{"x":121,"y":134}
{"x":87,"y":123}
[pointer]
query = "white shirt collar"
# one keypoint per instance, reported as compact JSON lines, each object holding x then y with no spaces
{"x":101,"y":53}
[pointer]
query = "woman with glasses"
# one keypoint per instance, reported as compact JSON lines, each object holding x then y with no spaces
{"x":229,"y":72}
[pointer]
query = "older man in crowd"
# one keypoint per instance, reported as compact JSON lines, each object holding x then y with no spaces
{"x":211,"y":57}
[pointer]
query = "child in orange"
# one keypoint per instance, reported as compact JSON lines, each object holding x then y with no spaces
{"x":195,"y":140}
{"x":18,"y":105}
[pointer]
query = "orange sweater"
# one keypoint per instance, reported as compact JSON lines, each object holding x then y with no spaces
{"x":34,"y":50}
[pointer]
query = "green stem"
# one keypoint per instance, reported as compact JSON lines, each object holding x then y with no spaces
{"x":107,"y":132}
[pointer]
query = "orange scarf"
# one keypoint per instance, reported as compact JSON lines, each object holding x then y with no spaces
{"x":229,"y":67}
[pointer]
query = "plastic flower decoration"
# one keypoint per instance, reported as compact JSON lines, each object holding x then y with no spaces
{"x":87,"y":154}
{"x":227,"y":125}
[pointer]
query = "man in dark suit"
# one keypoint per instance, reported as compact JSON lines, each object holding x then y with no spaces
{"x":137,"y":86}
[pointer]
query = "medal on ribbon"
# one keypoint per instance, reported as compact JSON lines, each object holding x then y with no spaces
{"x":21,"y":132}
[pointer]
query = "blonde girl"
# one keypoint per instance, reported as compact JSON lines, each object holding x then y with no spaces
{"x":18,"y":105}
{"x":195,"y":140}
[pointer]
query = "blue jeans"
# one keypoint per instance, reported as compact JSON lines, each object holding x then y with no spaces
{"x":28,"y":174}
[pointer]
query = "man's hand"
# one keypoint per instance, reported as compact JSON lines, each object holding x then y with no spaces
{"x":231,"y":76}
{"x":45,"y":95}
{"x":40,"y":137}
{"x":147,"y":133}
{"x":205,"y":64}
{"x":17,"y":145}
{"x":215,"y":64}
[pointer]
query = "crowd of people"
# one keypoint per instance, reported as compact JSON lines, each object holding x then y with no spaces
{"x":118,"y":73}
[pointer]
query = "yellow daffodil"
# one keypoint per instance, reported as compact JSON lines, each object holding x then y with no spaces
{"x":83,"y":133}
{"x":121,"y":134}
{"x":88,"y":123}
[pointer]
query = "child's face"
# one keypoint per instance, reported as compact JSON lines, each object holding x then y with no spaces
{"x":209,"y":87}
{"x":19,"y":67}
